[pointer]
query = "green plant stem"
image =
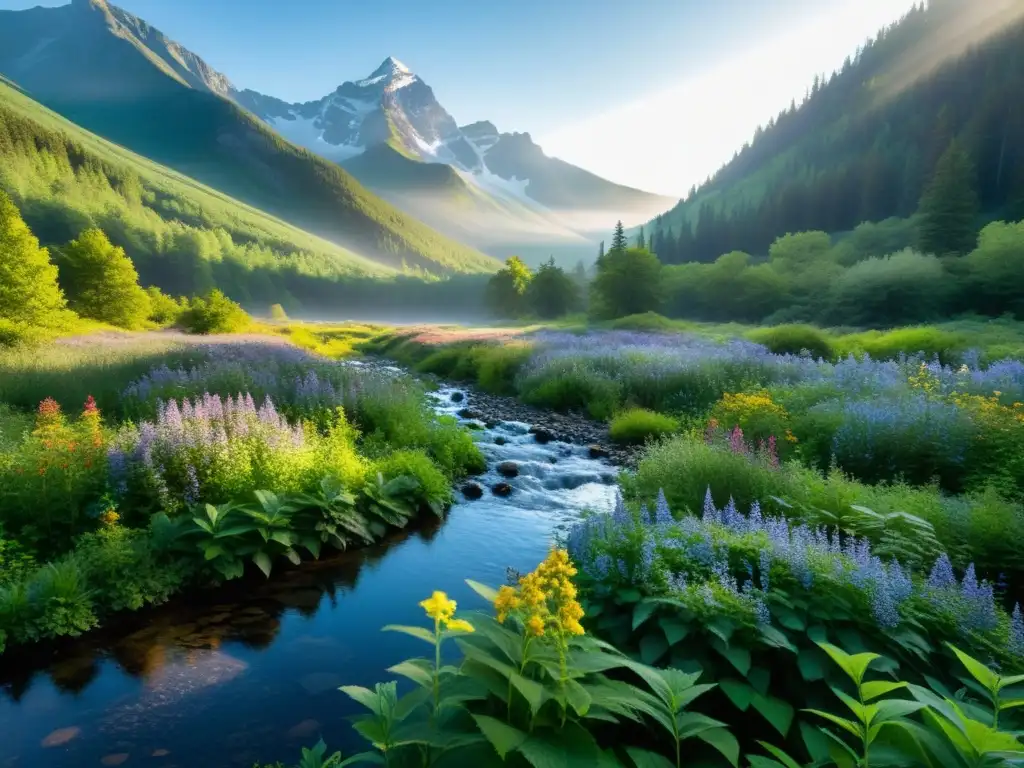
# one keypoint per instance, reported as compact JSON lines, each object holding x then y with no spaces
{"x":437,"y":663}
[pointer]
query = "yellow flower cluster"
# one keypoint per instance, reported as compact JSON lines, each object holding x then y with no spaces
{"x":742,"y":405}
{"x":442,"y":610}
{"x":924,"y":380}
{"x":546,"y":598}
{"x":990,"y":409}
{"x":109,"y":517}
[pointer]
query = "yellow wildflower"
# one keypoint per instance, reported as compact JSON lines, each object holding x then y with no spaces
{"x":506,"y":602}
{"x":460,"y":625}
{"x":535,"y":625}
{"x":439,"y":607}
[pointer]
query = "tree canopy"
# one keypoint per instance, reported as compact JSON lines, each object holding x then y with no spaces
{"x":101,"y":282}
{"x":29,"y":292}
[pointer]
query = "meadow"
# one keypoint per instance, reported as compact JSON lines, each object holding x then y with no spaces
{"x":133,"y":467}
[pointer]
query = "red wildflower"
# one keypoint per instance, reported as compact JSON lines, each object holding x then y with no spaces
{"x":49,"y":408}
{"x":90,"y":406}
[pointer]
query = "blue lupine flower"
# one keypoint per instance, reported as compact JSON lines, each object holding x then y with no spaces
{"x":941,"y":576}
{"x":1016,"y":640}
{"x":662,"y":513}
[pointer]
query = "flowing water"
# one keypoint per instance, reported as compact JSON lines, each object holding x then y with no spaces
{"x":250,"y":671}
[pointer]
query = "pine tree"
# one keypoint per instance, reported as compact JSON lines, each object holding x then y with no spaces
{"x":640,"y":243}
{"x":600,"y":251}
{"x":949,"y":206}
{"x":619,"y":238}
{"x":29,"y":294}
{"x":101,"y":281}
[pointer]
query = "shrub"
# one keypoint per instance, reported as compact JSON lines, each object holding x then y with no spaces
{"x":277,"y":313}
{"x":930,"y":342}
{"x":453,"y":448}
{"x":794,"y":340}
{"x":434,"y":489}
{"x":214,"y":313}
{"x":638,"y":425}
{"x":651,"y":322}
{"x":499,"y":365}
{"x":163,"y":309}
{"x":565,"y":386}
{"x":759,"y":417}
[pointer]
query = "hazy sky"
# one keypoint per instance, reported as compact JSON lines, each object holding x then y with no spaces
{"x":652,"y":93}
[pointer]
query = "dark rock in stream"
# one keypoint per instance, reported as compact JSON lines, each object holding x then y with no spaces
{"x":508,"y":469}
{"x":502,"y":489}
{"x":472,"y":490}
{"x":469,"y":413}
{"x":597,"y":452}
{"x":541,"y":435}
{"x":500,"y":440}
{"x":457,"y":397}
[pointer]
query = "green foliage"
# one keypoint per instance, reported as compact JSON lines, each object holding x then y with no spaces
{"x":29,"y":294}
{"x":277,"y":313}
{"x":551,"y":293}
{"x":949,"y":205}
{"x":994,"y":267}
{"x":947,"y":346}
{"x":876,"y":239}
{"x":163,"y":309}
{"x":628,"y":282}
{"x":794,"y":340}
{"x":506,"y":290}
{"x":434,"y":486}
{"x":100,"y":281}
{"x":890,"y":290}
{"x":214,"y":313}
{"x":650,"y":322}
{"x":638,"y":425}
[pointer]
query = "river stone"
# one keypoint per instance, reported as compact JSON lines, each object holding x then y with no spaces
{"x":160,"y":753}
{"x":541,"y":435}
{"x":457,"y":397}
{"x":472,"y":490}
{"x":499,"y":440}
{"x":319,"y":682}
{"x":304,"y":729}
{"x":469,"y":413}
{"x":115,"y":759}
{"x":502,"y":489}
{"x":597,"y":452}
{"x":61,"y":736}
{"x":508,"y":469}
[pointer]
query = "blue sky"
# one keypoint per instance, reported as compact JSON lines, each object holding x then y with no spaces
{"x":555,"y":68}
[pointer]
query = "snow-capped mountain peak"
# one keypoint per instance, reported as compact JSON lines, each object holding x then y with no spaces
{"x":392,"y":73}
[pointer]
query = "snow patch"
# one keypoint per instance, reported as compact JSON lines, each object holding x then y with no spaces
{"x":303,"y":131}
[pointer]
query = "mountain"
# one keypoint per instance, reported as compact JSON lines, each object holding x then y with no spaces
{"x":865,"y":142}
{"x":501,"y":192}
{"x":117,"y":76}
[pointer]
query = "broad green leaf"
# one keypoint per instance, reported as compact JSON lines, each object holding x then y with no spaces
{"x":373,"y":758}
{"x":810,"y":665}
{"x":875,"y":688}
{"x":775,"y":711}
{"x":503,"y":737}
{"x":652,"y":647}
{"x":790,"y":619}
{"x":420,"y":671}
{"x":853,"y":665}
{"x":487,"y":593}
{"x":643,"y":759}
{"x":739,"y":693}
{"x":978,"y":671}
{"x":723,"y":628}
{"x":1010,"y":704}
{"x":654,"y":679}
{"x":1005,"y":682}
{"x":724,"y":742}
{"x":840,"y":753}
{"x":364,"y":696}
{"x":738,"y":657}
{"x":627,"y":595}
{"x":675,"y":628}
{"x":642,"y":612}
{"x":418,"y":632}
{"x":774,"y":637}
{"x":262,"y":561}
{"x":530,"y":690}
{"x":760,"y":678}
{"x":573,"y":747}
{"x":578,"y":697}
{"x":895,"y":709}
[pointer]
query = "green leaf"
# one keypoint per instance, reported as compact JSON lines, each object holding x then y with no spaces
{"x":503,"y":737}
{"x":642,"y":612}
{"x":875,"y":688}
{"x":738,"y":657}
{"x":374,"y":758}
{"x":760,"y":678}
{"x":578,"y":697}
{"x":724,"y":742}
{"x":853,"y":665}
{"x":262,"y":561}
{"x":790,"y":619}
{"x":1005,"y":682}
{"x":978,"y":671}
{"x":420,"y":671}
{"x":643,"y":759}
{"x":364,"y":696}
{"x":722,"y":628}
{"x":894,"y":709}
{"x":775,"y":711}
{"x":775,"y":638}
{"x":628,"y":595}
{"x":652,"y":647}
{"x":573,"y":747}
{"x":739,"y":693}
{"x":784,"y":759}
{"x":675,"y":628}
{"x":418,"y":632}
{"x":847,"y":725}
{"x":487,"y":593}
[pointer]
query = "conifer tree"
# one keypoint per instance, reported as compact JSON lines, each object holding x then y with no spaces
{"x":949,"y":206}
{"x":600,"y":251}
{"x":101,"y":281}
{"x":640,"y":242}
{"x":29,"y":293}
{"x":619,"y":238}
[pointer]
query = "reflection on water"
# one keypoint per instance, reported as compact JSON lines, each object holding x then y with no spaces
{"x":250,"y":671}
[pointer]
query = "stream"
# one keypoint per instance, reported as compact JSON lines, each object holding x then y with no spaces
{"x":249,"y":671}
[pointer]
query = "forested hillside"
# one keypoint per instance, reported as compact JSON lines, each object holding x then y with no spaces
{"x":182,"y":236}
{"x":109,"y":72}
{"x":866,"y":140}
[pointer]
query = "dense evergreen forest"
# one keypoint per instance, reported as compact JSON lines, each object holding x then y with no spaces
{"x":866,"y":140}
